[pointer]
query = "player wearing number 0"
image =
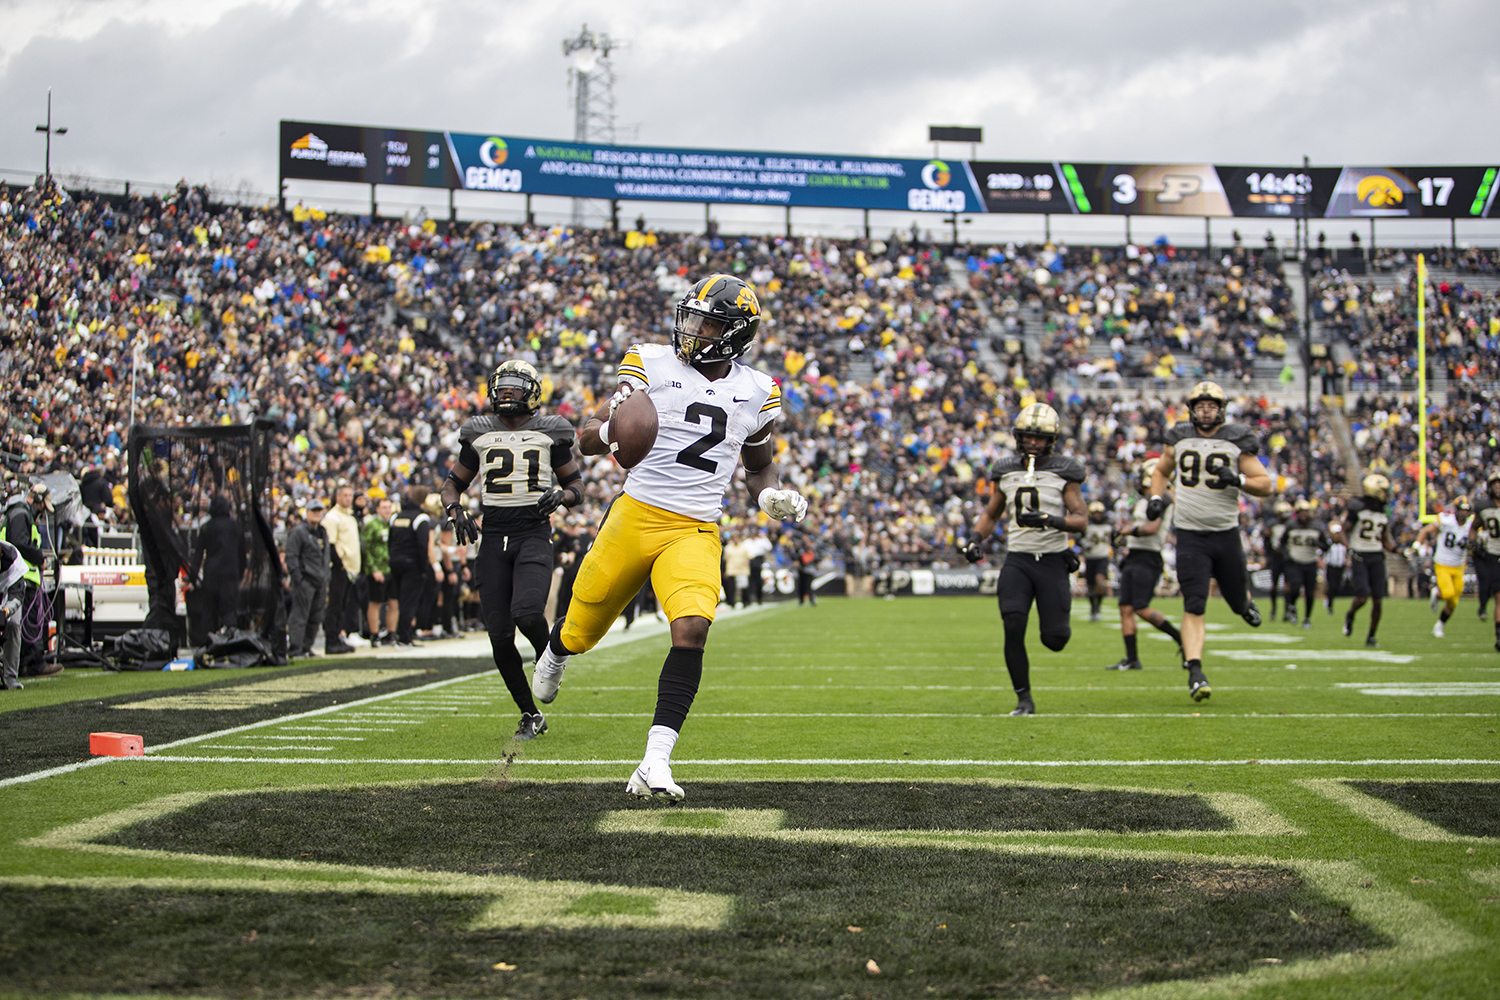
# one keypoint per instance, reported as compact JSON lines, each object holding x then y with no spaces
{"x":712,"y":413}
{"x":526,"y":470}
{"x":1369,"y":534}
{"x":1141,"y":571}
{"x":1486,"y":545}
{"x":1040,"y":491}
{"x":1452,"y":530}
{"x":1213,"y":462}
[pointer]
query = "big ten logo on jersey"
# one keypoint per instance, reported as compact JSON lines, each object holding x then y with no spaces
{"x":672,"y":385}
{"x":1192,"y":469}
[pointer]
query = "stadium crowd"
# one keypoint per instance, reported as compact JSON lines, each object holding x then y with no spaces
{"x":368,"y":343}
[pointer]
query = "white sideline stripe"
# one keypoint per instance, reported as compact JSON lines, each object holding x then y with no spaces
{"x":614,"y":638}
{"x":830,"y":761}
{"x":1050,"y":715}
{"x":150,"y":751}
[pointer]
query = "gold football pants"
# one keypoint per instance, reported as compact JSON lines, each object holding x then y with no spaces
{"x":680,"y":554}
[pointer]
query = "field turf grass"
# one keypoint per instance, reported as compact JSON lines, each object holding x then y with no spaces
{"x":863,"y":819}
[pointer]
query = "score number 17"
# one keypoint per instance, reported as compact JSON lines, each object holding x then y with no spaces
{"x":1435,"y":190}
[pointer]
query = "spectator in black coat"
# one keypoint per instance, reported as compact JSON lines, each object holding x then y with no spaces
{"x":218,"y":562}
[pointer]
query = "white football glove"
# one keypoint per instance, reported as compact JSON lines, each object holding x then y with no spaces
{"x":783,"y":504}
{"x":621,"y":394}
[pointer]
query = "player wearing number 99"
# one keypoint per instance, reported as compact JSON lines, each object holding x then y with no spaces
{"x":712,"y":413}
{"x":1040,"y":491}
{"x":1213,"y":462}
{"x":526,"y":470}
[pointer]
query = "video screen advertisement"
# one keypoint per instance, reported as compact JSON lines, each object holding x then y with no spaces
{"x":492,"y":162}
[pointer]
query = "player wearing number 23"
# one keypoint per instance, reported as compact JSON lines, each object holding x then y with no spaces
{"x":1213,"y":462}
{"x":712,"y":413}
{"x":525,"y":466}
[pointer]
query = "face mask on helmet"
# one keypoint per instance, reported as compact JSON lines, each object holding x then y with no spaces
{"x":514,"y":393}
{"x":716,"y":321}
{"x":1207,"y":414}
{"x":1039,"y":445}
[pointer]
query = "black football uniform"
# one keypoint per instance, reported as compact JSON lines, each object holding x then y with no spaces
{"x":1036,"y":567}
{"x":1207,"y":515}
{"x":1275,"y":561}
{"x":1300,"y":546}
{"x":1487,"y":549}
{"x":1368,"y":521}
{"x":514,"y":468}
{"x":1141,"y":569}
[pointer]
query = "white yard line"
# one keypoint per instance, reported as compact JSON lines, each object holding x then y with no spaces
{"x":833,"y":761}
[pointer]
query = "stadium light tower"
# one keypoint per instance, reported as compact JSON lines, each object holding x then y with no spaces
{"x":591,"y":78}
{"x":47,"y":128}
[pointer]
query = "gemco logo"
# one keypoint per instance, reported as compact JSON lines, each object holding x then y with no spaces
{"x":936,"y":174}
{"x":493,"y":151}
{"x":1379,"y":191}
{"x":492,"y":179}
{"x":935,"y":196}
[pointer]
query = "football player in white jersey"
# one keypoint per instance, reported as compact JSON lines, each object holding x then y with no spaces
{"x":712,"y":413}
{"x":1369,"y":534}
{"x":1096,"y":552}
{"x":1141,"y":571}
{"x":1486,"y":545}
{"x":1451,"y":538}
{"x":1213,"y":462}
{"x":1041,"y":494}
{"x":526,"y":470}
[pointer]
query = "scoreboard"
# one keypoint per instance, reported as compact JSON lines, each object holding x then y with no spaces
{"x":497,"y":162}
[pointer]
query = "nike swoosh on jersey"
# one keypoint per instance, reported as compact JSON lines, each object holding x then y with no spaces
{"x":739,"y":400}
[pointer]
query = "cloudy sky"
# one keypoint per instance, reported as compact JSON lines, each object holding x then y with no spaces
{"x":157,"y":89}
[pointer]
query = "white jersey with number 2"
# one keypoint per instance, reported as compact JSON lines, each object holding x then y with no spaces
{"x":702,"y":425}
{"x":1452,"y":539}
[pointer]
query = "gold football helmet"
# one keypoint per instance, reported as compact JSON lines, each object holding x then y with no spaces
{"x":1210,"y":392}
{"x":1377,"y":487}
{"x":1037,"y":421}
{"x":516,"y":374}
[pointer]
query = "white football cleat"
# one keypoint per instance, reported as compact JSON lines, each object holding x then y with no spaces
{"x":1437,"y":628}
{"x":654,"y":781}
{"x":547,"y":676}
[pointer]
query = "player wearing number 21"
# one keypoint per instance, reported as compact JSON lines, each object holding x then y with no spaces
{"x":1213,"y":462}
{"x":526,"y":470}
{"x":712,"y":413}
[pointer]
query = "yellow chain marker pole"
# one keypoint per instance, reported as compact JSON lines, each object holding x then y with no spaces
{"x":1422,"y":514}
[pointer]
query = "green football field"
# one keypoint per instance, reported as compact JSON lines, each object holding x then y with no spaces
{"x":863,"y":819}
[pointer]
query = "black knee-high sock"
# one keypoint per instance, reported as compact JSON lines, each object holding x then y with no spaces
{"x":1171,"y":630}
{"x":1130,"y":648}
{"x":508,"y":662}
{"x":1497,"y":631}
{"x":1308,"y":604}
{"x":677,"y":686}
{"x":534,"y":628}
{"x":555,"y":641}
{"x":1446,"y":613}
{"x":1017,"y":663}
{"x":1374,"y":618}
{"x":1095,"y":601}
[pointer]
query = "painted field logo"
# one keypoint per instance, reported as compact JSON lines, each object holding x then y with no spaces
{"x":935,"y":196}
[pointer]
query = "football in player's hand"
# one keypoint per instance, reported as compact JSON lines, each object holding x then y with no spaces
{"x":632,"y":430}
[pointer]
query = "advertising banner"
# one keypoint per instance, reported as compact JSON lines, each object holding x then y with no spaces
{"x":478,"y":162}
{"x":574,"y":170}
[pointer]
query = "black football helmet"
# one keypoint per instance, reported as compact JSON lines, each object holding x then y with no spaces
{"x":718,"y":304}
{"x":1207,"y":392}
{"x":516,"y":374}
